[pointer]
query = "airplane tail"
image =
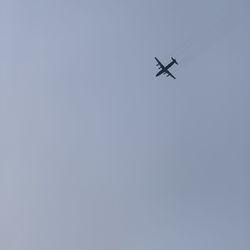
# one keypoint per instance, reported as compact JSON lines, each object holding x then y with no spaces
{"x":174,"y":60}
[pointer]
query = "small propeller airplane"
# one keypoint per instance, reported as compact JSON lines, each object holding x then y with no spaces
{"x":164,"y":69}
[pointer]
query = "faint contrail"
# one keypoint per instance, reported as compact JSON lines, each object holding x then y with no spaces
{"x":207,"y":33}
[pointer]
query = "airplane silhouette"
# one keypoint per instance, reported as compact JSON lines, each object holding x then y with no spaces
{"x":164,"y":69}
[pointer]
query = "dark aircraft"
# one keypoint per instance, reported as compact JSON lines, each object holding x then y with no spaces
{"x":164,"y":69}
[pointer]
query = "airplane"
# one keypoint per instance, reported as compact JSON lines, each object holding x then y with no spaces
{"x":164,"y":69}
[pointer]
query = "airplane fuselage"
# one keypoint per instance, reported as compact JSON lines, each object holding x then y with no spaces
{"x":165,"y":69}
{"x":160,"y":72}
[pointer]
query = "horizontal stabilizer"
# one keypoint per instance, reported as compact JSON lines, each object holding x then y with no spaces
{"x":174,"y":60}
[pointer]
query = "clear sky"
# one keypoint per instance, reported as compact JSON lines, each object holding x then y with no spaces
{"x":96,"y":153}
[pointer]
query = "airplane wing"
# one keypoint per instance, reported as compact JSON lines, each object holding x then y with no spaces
{"x":159,"y":63}
{"x":169,"y":74}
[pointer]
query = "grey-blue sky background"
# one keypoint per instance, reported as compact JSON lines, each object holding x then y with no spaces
{"x":97,"y":153}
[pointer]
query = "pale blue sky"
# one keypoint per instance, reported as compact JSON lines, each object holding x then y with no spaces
{"x":97,"y":153}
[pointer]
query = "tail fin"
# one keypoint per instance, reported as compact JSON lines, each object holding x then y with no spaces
{"x":174,"y":60}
